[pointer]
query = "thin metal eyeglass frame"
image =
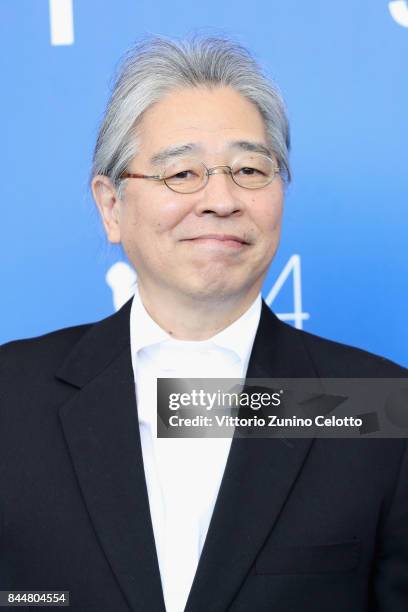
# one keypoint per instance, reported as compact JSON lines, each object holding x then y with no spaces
{"x":208,"y":172}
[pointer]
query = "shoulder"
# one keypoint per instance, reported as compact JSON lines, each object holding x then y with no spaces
{"x":333,"y":359}
{"x":37,"y":360}
{"x":33,"y":355}
{"x":306,"y":354}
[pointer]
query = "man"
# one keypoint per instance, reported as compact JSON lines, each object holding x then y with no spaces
{"x":189,"y":176}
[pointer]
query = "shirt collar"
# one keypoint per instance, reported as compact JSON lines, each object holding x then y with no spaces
{"x":144,"y":331}
{"x":237,"y":337}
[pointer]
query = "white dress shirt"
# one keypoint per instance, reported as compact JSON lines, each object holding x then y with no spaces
{"x":183,"y":475}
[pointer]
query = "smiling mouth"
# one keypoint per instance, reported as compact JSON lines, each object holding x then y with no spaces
{"x":219,"y":240}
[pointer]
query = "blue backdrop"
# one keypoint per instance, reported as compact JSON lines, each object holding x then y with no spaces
{"x":341,"y":270}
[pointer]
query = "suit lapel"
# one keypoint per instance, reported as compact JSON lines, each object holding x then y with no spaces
{"x":257,"y":481}
{"x":101,"y":428}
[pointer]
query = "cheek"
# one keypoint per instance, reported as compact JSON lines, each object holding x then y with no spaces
{"x":269,"y":218}
{"x":160,"y":218}
{"x":276,"y":220}
{"x":148,"y":237}
{"x":170,"y":214}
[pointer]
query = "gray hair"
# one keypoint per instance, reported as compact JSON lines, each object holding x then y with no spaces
{"x":157,"y":65}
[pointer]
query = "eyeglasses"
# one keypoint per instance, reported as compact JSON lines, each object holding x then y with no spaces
{"x":251,"y":171}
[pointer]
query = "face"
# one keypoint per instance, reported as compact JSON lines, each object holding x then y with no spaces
{"x":216,"y":243}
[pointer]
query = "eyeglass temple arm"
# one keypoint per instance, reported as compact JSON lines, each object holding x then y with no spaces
{"x":140,"y":176}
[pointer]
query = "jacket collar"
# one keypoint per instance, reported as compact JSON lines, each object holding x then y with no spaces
{"x":98,"y":347}
{"x":277,"y":352}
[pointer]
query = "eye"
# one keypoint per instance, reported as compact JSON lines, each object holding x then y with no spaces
{"x":248,"y":171}
{"x":182,"y":175}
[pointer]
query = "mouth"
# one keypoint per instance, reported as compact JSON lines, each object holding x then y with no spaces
{"x":219,"y":240}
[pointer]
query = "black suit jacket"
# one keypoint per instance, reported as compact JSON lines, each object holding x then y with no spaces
{"x":299,"y":525}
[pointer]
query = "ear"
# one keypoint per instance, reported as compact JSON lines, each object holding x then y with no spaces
{"x":108,"y":203}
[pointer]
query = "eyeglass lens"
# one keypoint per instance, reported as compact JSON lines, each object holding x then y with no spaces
{"x":251,"y":171}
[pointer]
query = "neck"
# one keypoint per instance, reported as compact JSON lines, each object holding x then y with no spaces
{"x":192,"y":317}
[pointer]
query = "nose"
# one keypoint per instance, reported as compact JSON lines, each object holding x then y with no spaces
{"x":221,"y":196}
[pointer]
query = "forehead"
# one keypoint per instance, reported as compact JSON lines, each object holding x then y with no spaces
{"x":209,"y":118}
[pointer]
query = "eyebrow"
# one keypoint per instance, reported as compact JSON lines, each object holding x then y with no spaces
{"x":254,"y":147}
{"x":172,"y":152}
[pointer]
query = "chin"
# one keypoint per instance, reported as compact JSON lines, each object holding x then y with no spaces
{"x":214,"y":288}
